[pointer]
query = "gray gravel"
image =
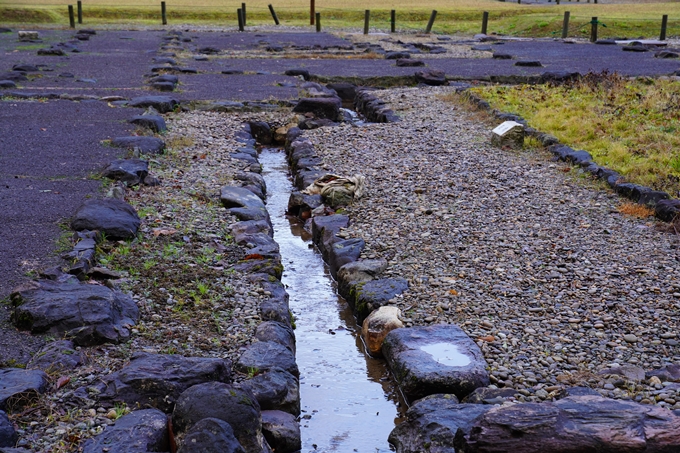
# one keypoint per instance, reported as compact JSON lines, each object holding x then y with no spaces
{"x":532,"y":259}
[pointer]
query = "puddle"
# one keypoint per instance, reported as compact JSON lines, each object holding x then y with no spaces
{"x":349,"y":403}
{"x":446,"y":354}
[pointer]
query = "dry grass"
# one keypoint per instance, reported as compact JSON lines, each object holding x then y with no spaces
{"x":628,"y":125}
{"x":635,"y":210}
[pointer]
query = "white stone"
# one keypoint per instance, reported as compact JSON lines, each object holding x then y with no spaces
{"x":28,"y":35}
{"x":376,"y":327}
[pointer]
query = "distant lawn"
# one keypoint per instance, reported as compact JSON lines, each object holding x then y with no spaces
{"x":633,"y":20}
{"x":629,"y":125}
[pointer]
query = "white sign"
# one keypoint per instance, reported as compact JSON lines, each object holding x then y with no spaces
{"x":505,"y":127}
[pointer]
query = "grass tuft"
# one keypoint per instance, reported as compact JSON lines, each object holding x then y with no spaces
{"x":635,"y":210}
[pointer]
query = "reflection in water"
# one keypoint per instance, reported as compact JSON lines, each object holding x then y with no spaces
{"x":349,"y":402}
{"x":446,"y":354}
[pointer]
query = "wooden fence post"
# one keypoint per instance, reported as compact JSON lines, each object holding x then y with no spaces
{"x":664,"y":25}
{"x":239,"y":13}
{"x":367,"y":19}
{"x":164,"y":16}
{"x":485,"y":21}
{"x":243,"y":12}
{"x":71,"y":19}
{"x":565,"y":25}
{"x":80,"y":12}
{"x":393,"y":20}
{"x":312,"y":14}
{"x":318,"y":22}
{"x":271,"y":10}
{"x":593,"y":29}
{"x":431,"y":21}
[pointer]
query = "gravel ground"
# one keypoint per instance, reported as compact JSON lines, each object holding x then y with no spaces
{"x":529,"y":257}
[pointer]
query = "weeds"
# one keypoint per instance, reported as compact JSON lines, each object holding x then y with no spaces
{"x":636,"y":210}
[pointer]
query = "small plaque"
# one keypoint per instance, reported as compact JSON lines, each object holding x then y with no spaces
{"x":505,"y":127}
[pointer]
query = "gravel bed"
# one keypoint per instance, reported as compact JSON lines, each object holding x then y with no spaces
{"x":530,"y":257}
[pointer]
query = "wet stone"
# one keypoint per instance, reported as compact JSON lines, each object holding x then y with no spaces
{"x":211,"y":435}
{"x":275,"y":389}
{"x":435,"y":359}
{"x":276,"y":332}
{"x":130,"y":171}
{"x":374,"y":294}
{"x":8,"y":436}
{"x":158,"y":379}
{"x":225,"y":402}
{"x":282,"y":431}
{"x":265,"y":355}
{"x":139,"y":431}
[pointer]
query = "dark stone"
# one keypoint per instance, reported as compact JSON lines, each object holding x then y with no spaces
{"x":8,"y":436}
{"x":275,"y":389}
{"x":211,"y":435}
{"x":130,"y":171}
{"x":328,"y":107}
{"x":57,"y":357}
{"x":156,"y":123}
{"x":25,"y":68}
{"x":274,"y":49}
{"x":282,"y":431}
{"x":14,"y":76}
{"x":579,"y":157}
{"x":454,"y":364}
{"x":331,"y":224}
{"x":298,"y":72}
{"x":265,"y":355}
{"x":162,"y":104}
{"x":262,"y":132}
{"x":667,"y":210}
{"x":606,"y":42}
{"x":166,"y":78}
{"x":251,"y":227}
{"x":115,"y":218}
{"x":431,"y":77}
{"x":165,"y":60}
{"x":559,"y":76}
{"x":232,"y":71}
{"x":310,"y":123}
{"x":343,"y":252}
{"x":634,"y":49}
{"x":238,"y":197}
{"x":187,"y":71}
{"x":433,"y":423}
{"x":157,"y":380}
{"x":276,"y":332}
{"x":145,"y":145}
{"x":482,"y":48}
{"x":245,"y":214}
{"x":486,"y":395}
{"x":501,"y":56}
{"x":574,"y":424}
{"x":346,"y":91}
{"x":137,"y":432}
{"x":397,"y":56}
{"x":19,"y":388}
{"x":5,"y":30}
{"x":652,"y":197}
{"x":259,"y":244}
{"x":247,"y":158}
{"x":209,"y":50}
{"x":529,"y":63}
{"x":89,"y":314}
{"x":670,"y":373}
{"x":354,"y":273}
{"x":52,"y":52}
{"x":225,"y":402}
{"x":548,"y":139}
{"x":87,"y":31}
{"x":67,"y":75}
{"x":409,"y":63}
{"x":270,"y":266}
{"x":7,"y":84}
{"x":300,"y":204}
{"x":667,"y":54}
{"x":373,"y":294}
{"x":561,"y":151}
{"x":629,"y":190}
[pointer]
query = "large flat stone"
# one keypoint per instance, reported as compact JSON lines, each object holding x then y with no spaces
{"x":139,"y":431}
{"x":88,"y":314}
{"x":115,"y":218}
{"x":435,"y":359}
{"x":19,"y":387}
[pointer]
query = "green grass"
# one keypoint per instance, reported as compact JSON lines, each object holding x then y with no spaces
{"x":454,"y":16}
{"x":628,"y":125}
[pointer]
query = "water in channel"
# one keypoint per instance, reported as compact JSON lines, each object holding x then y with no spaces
{"x":349,"y":403}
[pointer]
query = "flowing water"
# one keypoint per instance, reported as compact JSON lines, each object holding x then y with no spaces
{"x":349,"y":402}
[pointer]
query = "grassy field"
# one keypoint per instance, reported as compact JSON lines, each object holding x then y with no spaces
{"x":642,"y":18}
{"x":629,"y":125}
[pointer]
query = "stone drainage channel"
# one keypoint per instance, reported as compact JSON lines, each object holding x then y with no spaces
{"x":349,"y":403}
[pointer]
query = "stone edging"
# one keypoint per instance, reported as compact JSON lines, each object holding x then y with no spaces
{"x":665,"y":208}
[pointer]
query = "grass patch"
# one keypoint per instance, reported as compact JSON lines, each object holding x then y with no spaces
{"x":454,"y":16}
{"x":636,"y":210}
{"x":628,"y":125}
